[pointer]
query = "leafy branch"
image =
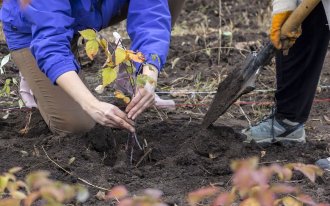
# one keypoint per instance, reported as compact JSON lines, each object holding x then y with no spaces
{"x":252,"y":186}
{"x":37,"y":186}
{"x":118,"y":71}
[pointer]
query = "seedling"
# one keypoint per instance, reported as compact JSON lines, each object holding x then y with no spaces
{"x":118,"y":71}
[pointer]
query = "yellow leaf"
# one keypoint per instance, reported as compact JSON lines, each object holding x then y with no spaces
{"x":3,"y":183}
{"x":137,"y":57}
{"x":119,"y":95}
{"x":108,"y":75}
{"x":10,"y":202}
{"x":92,"y":48}
{"x":289,"y":201}
{"x":126,"y":100}
{"x":250,"y":202}
{"x":15,"y":170}
{"x":120,"y":55}
{"x":88,"y":34}
{"x":104,"y":44}
{"x":18,"y":195}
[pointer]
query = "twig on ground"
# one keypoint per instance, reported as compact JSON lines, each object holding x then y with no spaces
{"x":71,"y":174}
{"x":143,"y":157}
{"x":26,"y":129}
{"x":160,"y":116}
{"x":245,"y":115}
{"x":230,"y":179}
{"x":205,"y":170}
{"x":220,"y":32}
{"x":271,"y":162}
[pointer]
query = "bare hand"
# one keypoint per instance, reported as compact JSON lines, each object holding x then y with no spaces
{"x":145,"y":97}
{"x":111,"y":116}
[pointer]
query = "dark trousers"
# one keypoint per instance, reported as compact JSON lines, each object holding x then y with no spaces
{"x":174,"y":5}
{"x":299,"y":72}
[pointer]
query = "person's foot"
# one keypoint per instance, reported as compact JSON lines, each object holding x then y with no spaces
{"x":324,"y":163}
{"x":272,"y":130}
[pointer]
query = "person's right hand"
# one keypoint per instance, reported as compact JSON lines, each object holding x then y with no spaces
{"x":282,"y":9}
{"x":103,"y":113}
{"x":111,"y":116}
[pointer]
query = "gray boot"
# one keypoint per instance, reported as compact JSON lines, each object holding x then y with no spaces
{"x":324,"y":163}
{"x":272,"y":130}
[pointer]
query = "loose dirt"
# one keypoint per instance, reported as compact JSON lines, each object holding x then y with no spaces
{"x":181,"y":156}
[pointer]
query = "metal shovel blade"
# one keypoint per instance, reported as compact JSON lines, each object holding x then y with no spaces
{"x":240,"y":81}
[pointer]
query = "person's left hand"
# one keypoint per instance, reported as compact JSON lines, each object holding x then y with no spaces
{"x":145,"y":97}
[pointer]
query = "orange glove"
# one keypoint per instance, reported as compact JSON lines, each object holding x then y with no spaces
{"x":282,"y":41}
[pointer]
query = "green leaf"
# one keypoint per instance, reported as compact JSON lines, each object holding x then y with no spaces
{"x":15,"y":81}
{"x":20,"y":103}
{"x":120,"y":55}
{"x":92,"y":48}
{"x":108,"y":75}
{"x":88,"y":34}
{"x":142,"y":79}
{"x":3,"y":183}
{"x":6,"y":88}
{"x":129,"y":67}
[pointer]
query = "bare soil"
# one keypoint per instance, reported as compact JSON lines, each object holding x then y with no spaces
{"x":181,"y":156}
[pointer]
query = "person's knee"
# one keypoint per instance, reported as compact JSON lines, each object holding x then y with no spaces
{"x":69,"y":125}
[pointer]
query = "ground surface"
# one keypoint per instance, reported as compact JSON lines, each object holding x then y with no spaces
{"x":179,"y":161}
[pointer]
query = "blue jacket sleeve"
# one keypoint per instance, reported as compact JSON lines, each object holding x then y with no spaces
{"x":149,"y":27}
{"x":52,"y":33}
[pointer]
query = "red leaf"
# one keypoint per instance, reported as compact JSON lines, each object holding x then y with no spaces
{"x":117,"y":192}
{"x":283,"y":189}
{"x":306,"y":199}
{"x":201,"y":194}
{"x":284,"y":173}
{"x":126,"y":202}
{"x":224,"y":199}
{"x":310,"y":171}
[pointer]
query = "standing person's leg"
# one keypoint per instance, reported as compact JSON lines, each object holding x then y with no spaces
{"x":61,"y":113}
{"x":174,"y":5}
{"x":175,"y":9}
{"x":298,"y":73}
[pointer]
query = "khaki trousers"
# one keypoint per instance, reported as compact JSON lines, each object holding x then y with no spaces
{"x":61,"y":113}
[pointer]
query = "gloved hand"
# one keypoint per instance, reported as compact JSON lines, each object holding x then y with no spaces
{"x":282,"y":9}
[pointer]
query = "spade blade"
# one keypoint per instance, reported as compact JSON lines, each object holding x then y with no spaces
{"x":240,"y":81}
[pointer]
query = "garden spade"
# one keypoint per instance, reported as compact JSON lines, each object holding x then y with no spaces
{"x":242,"y":80}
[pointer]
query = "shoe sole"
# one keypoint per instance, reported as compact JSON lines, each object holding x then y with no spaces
{"x":280,"y":139}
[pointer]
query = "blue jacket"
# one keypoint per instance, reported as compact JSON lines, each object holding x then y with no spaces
{"x":48,"y":26}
